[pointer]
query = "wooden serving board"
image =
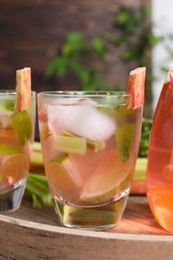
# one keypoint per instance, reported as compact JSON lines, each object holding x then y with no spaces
{"x":36,"y":234}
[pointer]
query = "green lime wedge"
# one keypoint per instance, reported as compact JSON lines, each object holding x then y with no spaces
{"x":92,"y":196}
{"x":22,"y":125}
{"x":124,"y":135}
{"x":105,"y":182}
{"x":7,"y":149}
{"x":101,"y":187}
{"x":15,"y":167}
{"x":60,"y":180}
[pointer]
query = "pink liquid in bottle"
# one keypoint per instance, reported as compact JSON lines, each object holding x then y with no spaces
{"x":160,"y":158}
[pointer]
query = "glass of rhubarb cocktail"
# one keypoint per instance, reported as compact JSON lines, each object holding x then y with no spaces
{"x":17,"y":125}
{"x":90,"y":144}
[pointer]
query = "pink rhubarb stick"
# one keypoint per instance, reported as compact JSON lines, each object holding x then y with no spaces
{"x":136,"y":87}
{"x":23,"y":89}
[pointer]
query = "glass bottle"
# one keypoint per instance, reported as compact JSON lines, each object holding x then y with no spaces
{"x":160,"y":158}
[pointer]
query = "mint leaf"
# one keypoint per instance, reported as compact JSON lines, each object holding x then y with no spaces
{"x":107,"y":109}
{"x":22,"y":125}
{"x":115,"y":111}
{"x":7,"y":105}
{"x":124,"y":135}
{"x":123,"y":111}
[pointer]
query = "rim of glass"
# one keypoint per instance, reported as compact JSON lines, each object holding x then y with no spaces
{"x":81,"y":93}
{"x":13,"y":92}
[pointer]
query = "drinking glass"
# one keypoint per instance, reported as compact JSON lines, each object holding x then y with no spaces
{"x":16,"y":137}
{"x":90,"y":144}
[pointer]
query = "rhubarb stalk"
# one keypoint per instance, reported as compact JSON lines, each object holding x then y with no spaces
{"x":136,"y":87}
{"x":23,"y":89}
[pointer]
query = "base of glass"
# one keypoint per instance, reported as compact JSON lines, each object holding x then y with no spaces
{"x":93,"y":218}
{"x":11,"y":199}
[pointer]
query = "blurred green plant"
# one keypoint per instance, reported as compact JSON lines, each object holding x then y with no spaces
{"x":167,"y":45}
{"x":134,"y":36}
{"x":133,"y":33}
{"x":145,"y":136}
{"x":83,"y":58}
{"x":88,"y":59}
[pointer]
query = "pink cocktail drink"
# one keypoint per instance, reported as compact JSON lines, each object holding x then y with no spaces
{"x":90,"y":145}
{"x":16,"y":137}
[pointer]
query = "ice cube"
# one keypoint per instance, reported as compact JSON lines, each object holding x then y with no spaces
{"x":82,"y":120}
{"x":5,"y":118}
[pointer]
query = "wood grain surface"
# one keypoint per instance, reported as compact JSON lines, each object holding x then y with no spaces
{"x":36,"y":234}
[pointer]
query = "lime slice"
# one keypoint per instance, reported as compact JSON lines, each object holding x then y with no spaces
{"x":105,"y":182}
{"x":60,"y":181}
{"x":58,"y":176}
{"x":14,"y":164}
{"x":98,"y":190}
{"x":22,"y":125}
{"x":15,"y":167}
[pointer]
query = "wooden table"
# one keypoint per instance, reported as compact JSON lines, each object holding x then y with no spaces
{"x":36,"y":234}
